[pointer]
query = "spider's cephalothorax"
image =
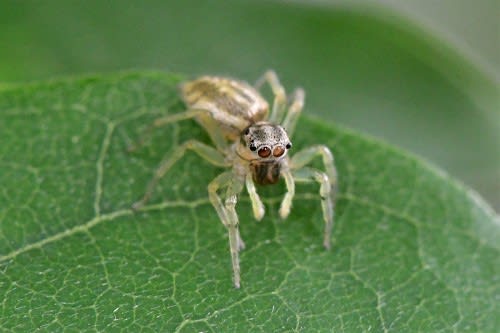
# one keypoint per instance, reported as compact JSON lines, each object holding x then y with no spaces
{"x":265,"y":146}
{"x":251,"y":141}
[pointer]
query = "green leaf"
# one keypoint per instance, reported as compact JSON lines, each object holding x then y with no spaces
{"x":413,"y":250}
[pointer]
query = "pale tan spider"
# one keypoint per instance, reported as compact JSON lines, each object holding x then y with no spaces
{"x":248,"y":140}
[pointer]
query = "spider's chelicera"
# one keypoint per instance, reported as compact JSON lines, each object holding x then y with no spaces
{"x":254,"y":144}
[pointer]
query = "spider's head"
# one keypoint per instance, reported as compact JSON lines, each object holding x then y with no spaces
{"x":266,"y":142}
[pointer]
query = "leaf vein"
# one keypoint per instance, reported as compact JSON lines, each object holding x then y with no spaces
{"x":100,"y":167}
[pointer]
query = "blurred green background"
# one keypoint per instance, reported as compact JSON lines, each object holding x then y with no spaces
{"x":370,"y":65}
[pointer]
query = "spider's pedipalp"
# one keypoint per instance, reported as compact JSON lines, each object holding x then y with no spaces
{"x":257,"y":205}
{"x":286,"y":204}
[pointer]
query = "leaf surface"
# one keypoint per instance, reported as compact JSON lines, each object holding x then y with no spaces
{"x":412,"y":249}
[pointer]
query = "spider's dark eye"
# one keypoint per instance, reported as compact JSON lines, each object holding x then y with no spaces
{"x":252,"y":148}
{"x":288,"y":145}
{"x":247,"y":131}
{"x":264,"y":152}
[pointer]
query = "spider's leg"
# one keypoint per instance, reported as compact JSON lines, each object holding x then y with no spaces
{"x":305,"y":156}
{"x":257,"y":205}
{"x":219,"y":182}
{"x":162,"y":121}
{"x":212,"y":127}
{"x":286,"y":204}
{"x":294,"y":111}
{"x":327,"y":204}
{"x":279,"y":103}
{"x":227,"y":214}
{"x":327,"y":180}
{"x":208,"y":153}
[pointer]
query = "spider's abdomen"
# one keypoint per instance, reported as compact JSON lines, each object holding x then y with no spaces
{"x":266,"y":173}
{"x":232,"y":104}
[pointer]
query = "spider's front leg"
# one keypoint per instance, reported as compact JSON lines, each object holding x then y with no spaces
{"x":327,"y":181}
{"x":228,"y":216}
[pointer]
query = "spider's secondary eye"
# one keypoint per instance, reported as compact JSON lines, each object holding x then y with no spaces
{"x":288,"y":145}
{"x":247,"y":131}
{"x":278,"y":151}
{"x":252,"y":148}
{"x":264,"y":152}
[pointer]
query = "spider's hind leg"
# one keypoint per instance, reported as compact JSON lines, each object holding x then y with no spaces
{"x":205,"y":118}
{"x":162,"y":121}
{"x":208,"y":153}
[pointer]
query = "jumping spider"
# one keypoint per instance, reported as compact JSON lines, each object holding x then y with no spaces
{"x":253,"y":144}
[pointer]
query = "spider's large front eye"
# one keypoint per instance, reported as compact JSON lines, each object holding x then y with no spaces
{"x":264,"y":152}
{"x":278,"y":151}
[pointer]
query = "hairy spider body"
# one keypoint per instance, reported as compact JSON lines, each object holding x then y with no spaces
{"x":232,"y":105}
{"x":252,"y":141}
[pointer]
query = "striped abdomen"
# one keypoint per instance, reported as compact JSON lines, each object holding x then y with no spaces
{"x":234,"y":105}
